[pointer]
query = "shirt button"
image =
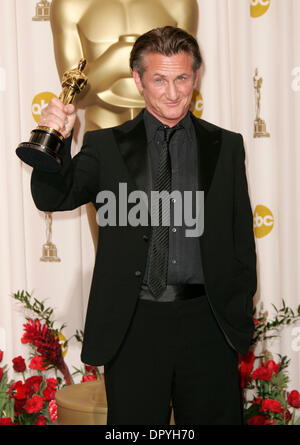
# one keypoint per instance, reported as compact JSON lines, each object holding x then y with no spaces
{"x":174,"y":229}
{"x":174,"y":261}
{"x":173,"y":200}
{"x":137,"y":273}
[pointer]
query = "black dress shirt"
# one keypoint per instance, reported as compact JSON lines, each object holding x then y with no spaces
{"x":184,"y":265}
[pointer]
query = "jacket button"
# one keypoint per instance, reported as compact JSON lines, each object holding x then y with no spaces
{"x":137,"y":273}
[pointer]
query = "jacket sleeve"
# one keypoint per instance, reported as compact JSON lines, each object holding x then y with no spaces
{"x":74,"y":185}
{"x":244,"y":242}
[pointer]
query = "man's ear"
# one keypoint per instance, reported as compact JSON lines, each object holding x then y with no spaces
{"x":138,"y":81}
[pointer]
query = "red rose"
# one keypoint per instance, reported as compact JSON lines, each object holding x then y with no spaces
{"x":52,"y":383}
{"x":271,"y":405}
{"x":286,"y":415}
{"x":266,"y":370}
{"x":245,"y":367}
{"x":52,"y":408}
{"x":19,"y":364}
{"x":34,"y":405}
{"x":88,"y":378}
{"x":19,"y":406}
{"x":40,"y":420}
{"x":37,"y":362}
{"x":1,"y":374}
{"x":6,"y":421}
{"x":256,"y":401}
{"x":50,"y":390}
{"x":91,"y":369}
{"x":262,"y":373}
{"x":294,"y":398}
{"x":33,"y":384}
{"x":48,"y":394}
{"x":268,"y":422}
{"x":272,"y":366}
{"x":257,"y":420}
{"x":1,"y":355}
{"x":17,"y":390}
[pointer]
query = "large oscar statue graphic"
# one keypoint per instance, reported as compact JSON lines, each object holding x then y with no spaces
{"x":104,"y":32}
{"x":42,"y":150}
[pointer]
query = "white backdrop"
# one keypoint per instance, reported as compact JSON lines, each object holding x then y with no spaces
{"x":234,"y":43}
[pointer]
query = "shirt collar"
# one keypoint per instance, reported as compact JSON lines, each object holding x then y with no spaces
{"x":152,"y":124}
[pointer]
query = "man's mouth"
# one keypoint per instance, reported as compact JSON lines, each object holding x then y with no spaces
{"x":173,"y":104}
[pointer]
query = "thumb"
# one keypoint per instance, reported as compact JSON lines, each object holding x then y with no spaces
{"x":69,"y":109}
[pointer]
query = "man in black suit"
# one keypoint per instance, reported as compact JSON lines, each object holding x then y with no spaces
{"x":168,"y":313}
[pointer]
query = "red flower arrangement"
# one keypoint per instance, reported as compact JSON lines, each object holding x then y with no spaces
{"x":271,"y":403}
{"x":31,"y":400}
{"x":264,"y":388}
{"x":26,"y":401}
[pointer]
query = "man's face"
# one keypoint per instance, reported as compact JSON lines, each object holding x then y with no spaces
{"x":167,"y":85}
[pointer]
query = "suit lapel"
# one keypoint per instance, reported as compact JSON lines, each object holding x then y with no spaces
{"x":208,"y":144}
{"x":132,"y":142}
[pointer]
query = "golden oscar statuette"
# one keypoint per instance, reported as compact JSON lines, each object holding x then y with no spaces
{"x":42,"y":11}
{"x":260,"y":128}
{"x":42,"y":149}
{"x":49,"y":249}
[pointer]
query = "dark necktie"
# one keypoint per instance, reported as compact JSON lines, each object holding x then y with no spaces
{"x":159,"y":246}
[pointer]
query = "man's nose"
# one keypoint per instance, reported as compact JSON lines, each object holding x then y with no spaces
{"x":172,"y":93}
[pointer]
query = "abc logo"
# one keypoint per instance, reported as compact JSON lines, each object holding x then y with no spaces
{"x":263,"y":221}
{"x":259,"y":7}
{"x":197,"y":104}
{"x":39,"y":102}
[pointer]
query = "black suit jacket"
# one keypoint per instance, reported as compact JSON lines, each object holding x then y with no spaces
{"x":112,"y":156}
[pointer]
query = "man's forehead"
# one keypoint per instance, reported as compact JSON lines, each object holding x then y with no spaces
{"x":155,"y":61}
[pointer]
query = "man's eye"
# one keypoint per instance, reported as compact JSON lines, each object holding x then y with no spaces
{"x":158,"y":80}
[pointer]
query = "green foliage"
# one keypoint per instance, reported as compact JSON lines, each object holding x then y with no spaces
{"x":265,"y":330}
{"x":6,"y":404}
{"x":37,"y":307}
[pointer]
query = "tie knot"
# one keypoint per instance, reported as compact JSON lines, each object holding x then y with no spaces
{"x":169,"y":131}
